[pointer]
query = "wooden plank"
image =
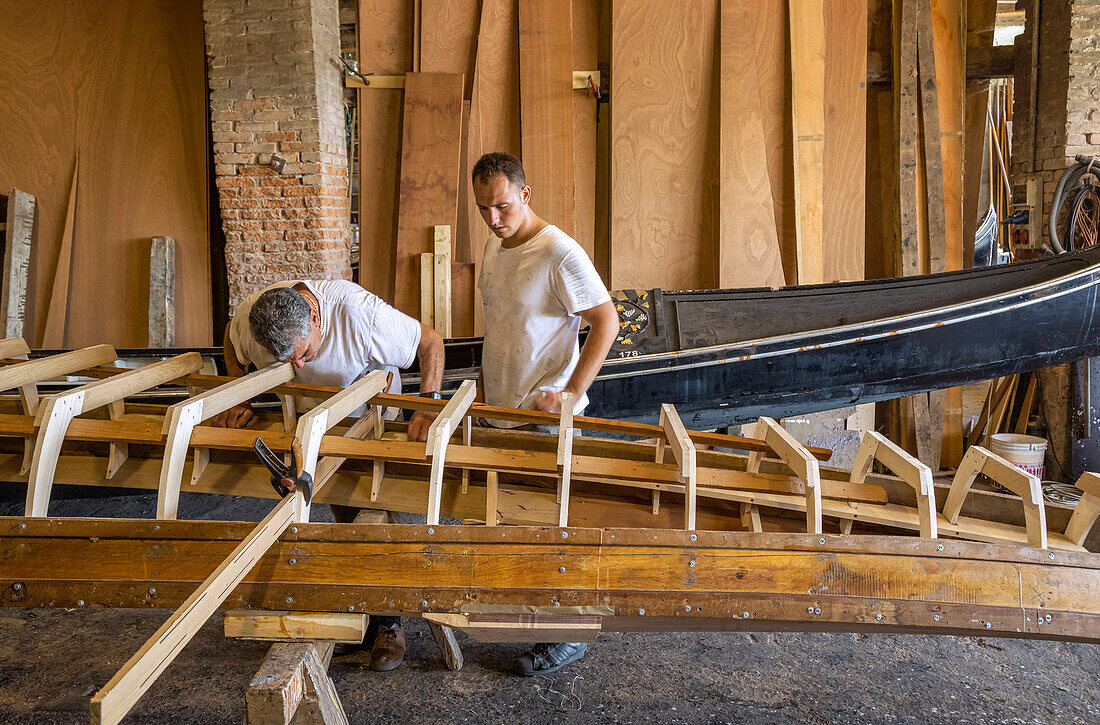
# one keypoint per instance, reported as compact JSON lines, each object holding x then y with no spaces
{"x":281,"y":626}
{"x":448,"y":645}
{"x":280,"y":689}
{"x":13,"y":347}
{"x":748,"y":245}
{"x":683,"y":450}
{"x":546,"y":105}
{"x":523,"y":627}
{"x":930,"y":142}
{"x":439,"y":433}
{"x":664,"y":157}
{"x":162,"y":292}
{"x":19,"y":243}
{"x":430,"y":146}
{"x":54,"y":366}
{"x":905,"y":122}
{"x":565,"y":456}
{"x":441,"y":287}
{"x":845,"y":146}
{"x":807,"y":32}
{"x":57,"y":316}
{"x":586,"y":26}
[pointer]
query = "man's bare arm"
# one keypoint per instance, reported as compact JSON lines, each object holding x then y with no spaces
{"x":604,"y":325}
{"x":430,"y":354}
{"x":239,"y":415}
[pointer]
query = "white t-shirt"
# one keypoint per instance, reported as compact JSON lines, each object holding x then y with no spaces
{"x":532,"y":295}
{"x":359,"y":333}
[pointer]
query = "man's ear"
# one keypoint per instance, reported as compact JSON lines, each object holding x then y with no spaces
{"x":525,"y":194}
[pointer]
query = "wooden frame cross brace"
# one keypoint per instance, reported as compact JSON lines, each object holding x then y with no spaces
{"x":876,"y":447}
{"x":978,"y":460}
{"x":798,"y":459}
{"x":683,"y":450}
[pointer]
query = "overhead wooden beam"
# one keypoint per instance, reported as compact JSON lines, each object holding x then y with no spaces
{"x":983,"y":63}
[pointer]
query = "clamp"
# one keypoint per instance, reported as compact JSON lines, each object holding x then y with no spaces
{"x":281,"y":479}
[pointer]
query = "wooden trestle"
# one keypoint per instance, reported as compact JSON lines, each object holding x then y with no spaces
{"x":538,"y":579}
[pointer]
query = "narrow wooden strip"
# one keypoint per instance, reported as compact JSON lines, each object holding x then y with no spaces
{"x":57,"y":314}
{"x":47,"y":368}
{"x":807,"y":31}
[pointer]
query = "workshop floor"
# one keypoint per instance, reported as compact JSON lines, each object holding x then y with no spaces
{"x":52,"y":660}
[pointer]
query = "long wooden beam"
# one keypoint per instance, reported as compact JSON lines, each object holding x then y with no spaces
{"x":738,"y":581}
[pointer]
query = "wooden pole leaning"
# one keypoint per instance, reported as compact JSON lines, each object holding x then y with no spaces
{"x":978,"y":460}
{"x":876,"y":447}
{"x":57,"y":411}
{"x":115,"y":699}
{"x":313,"y":425}
{"x":439,"y":434}
{"x":565,"y":456}
{"x":683,"y":450}
{"x":13,"y":347}
{"x":180,"y":420}
{"x":799,"y":460}
{"x":1087,"y":510}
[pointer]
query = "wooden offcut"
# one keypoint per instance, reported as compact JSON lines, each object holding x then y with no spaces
{"x":807,"y":31}
{"x":18,"y":245}
{"x":162,"y":292}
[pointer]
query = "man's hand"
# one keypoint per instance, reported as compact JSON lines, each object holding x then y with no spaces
{"x":548,"y":402}
{"x":238,"y":416}
{"x":419,"y":424}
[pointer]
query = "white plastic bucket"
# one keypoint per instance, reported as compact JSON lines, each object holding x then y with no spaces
{"x":1026,"y":452}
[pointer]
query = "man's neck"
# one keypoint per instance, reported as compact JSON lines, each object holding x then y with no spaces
{"x":526,"y":232}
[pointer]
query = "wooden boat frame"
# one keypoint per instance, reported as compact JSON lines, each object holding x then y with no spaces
{"x":527,"y":581}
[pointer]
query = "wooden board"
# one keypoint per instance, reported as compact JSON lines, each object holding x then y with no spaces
{"x":845,"y":148}
{"x":807,"y":32}
{"x":664,"y":155}
{"x":385,"y":48}
{"x":586,"y":22}
{"x":546,"y":106}
{"x":748,"y":246}
{"x":428,"y":193}
{"x":980,"y":21}
{"x":142,"y":70}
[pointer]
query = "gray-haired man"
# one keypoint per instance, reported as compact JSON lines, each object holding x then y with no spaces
{"x":334,"y":331}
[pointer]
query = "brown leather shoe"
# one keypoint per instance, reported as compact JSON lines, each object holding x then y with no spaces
{"x":388,"y":651}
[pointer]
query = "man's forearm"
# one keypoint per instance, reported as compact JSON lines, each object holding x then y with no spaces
{"x":591,"y":359}
{"x":430,"y":355}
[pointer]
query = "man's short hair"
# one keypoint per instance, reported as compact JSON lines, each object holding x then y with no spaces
{"x":279,"y":320}
{"x":499,"y":163}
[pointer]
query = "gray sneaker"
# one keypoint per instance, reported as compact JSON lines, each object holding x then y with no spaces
{"x":545,"y":658}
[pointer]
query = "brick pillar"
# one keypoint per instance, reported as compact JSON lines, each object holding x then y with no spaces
{"x":276,"y":88}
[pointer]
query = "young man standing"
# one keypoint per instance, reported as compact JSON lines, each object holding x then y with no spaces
{"x":334,"y":331}
{"x":538,"y":286}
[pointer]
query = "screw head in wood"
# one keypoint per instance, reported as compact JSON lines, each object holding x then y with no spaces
{"x":817,"y":610}
{"x":22,"y":527}
{"x":351,"y":607}
{"x":936,"y":617}
{"x":289,"y":600}
{"x":988,"y":625}
{"x":691,"y":564}
{"x":809,"y":610}
{"x":293,"y":529}
{"x":16,"y":586}
{"x":431,"y":531}
{"x":687,"y":607}
{"x":694,"y":537}
{"x":1049,"y":618}
{"x":1050,"y":555}
{"x":156,"y":527}
{"x":424,"y":602}
{"x":878,"y":617}
{"x":561,"y":569}
{"x":744,"y":615}
{"x":641,"y":612}
{"x":821,"y":540}
{"x":152,"y":592}
{"x":293,"y":562}
{"x":80,"y":602}
{"x":565,"y":534}
{"x":939,"y":547}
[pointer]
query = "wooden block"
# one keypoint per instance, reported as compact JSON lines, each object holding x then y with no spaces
{"x":523,"y":627}
{"x":448,"y":645}
{"x":430,"y":148}
{"x":807,"y":29}
{"x":291,"y":676}
{"x":546,"y":103}
{"x":427,"y":289}
{"x":748,"y":246}
{"x":162,"y":292}
{"x":321,"y":626}
{"x":441,"y":287}
{"x":19,"y":237}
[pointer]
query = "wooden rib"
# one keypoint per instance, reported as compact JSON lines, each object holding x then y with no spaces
{"x":57,"y":411}
{"x":438,"y":436}
{"x":800,"y":461}
{"x":313,"y":425}
{"x":683,"y":450}
{"x":491,"y":492}
{"x":807,"y":31}
{"x":47,"y":368}
{"x":117,"y":452}
{"x":180,"y":421}
{"x":13,"y":347}
{"x":565,"y":456}
{"x":1087,"y":510}
{"x":875,"y":446}
{"x":978,"y":460}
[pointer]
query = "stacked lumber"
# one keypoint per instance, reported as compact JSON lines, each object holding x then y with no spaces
{"x":685,"y":179}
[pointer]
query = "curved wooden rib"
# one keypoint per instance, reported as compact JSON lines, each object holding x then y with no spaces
{"x":56,"y":411}
{"x":439,"y":434}
{"x":799,"y":460}
{"x":683,"y":450}
{"x":978,"y":460}
{"x":180,"y":420}
{"x":874,"y":446}
{"x":1087,"y":510}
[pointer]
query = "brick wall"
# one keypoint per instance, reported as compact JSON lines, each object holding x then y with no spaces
{"x":276,"y":88}
{"x":1067,"y":98}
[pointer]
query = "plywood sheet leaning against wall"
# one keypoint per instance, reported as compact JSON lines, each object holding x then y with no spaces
{"x":141,"y":70}
{"x":748,"y":245}
{"x":546,"y":103}
{"x":664,"y":159}
{"x":385,"y":48}
{"x":845,"y":190}
{"x":428,"y":191}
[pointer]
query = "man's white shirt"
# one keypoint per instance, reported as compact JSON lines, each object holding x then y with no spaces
{"x":533,"y":294}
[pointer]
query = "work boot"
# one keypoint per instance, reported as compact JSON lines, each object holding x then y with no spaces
{"x":341,"y":649}
{"x":388,"y":651}
{"x":545,"y":658}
